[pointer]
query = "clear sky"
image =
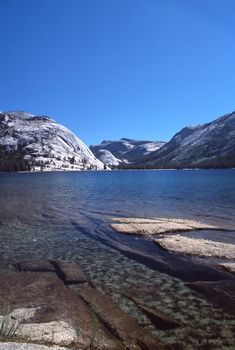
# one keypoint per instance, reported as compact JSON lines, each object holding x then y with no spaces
{"x":119,"y":68}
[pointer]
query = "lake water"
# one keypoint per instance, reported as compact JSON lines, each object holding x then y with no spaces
{"x":66,"y":216}
{"x":44,"y":211}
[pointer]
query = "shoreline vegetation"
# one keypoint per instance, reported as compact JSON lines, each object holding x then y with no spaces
{"x":108,"y":170}
{"x":39,"y":143}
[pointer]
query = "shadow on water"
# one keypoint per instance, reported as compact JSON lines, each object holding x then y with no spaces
{"x":148,"y":253}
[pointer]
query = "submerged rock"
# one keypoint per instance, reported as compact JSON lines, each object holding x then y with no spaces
{"x":69,"y":272}
{"x":117,"y":321}
{"x":58,"y":307}
{"x":221,"y":292}
{"x":209,"y":246}
{"x":158,"y":318}
{"x":35,"y":266}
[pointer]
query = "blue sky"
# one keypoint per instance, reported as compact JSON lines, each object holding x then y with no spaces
{"x":119,"y":68}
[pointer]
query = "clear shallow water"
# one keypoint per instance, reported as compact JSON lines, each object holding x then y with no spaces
{"x":42,"y":213}
{"x":64,"y":216}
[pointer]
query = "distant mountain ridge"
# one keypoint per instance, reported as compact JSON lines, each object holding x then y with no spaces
{"x":29,"y":142}
{"x":124,"y":151}
{"x":210,"y":145}
{"x":32,"y":143}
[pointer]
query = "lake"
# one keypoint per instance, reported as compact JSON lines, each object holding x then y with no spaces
{"x":65,"y":215}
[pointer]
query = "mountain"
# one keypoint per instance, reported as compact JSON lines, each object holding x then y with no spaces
{"x":29,"y":142}
{"x":210,"y":145}
{"x":124,"y":151}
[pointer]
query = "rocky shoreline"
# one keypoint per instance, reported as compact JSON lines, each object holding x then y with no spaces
{"x":209,"y":245}
{"x":53,"y":303}
{"x":181,"y":236}
{"x":58,"y":304}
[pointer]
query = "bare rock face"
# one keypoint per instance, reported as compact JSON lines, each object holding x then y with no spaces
{"x":210,"y":145}
{"x":52,"y":303}
{"x":199,"y":247}
{"x":142,"y":226}
{"x":29,"y":142}
{"x":124,"y":151}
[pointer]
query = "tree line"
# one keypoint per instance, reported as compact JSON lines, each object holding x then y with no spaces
{"x":11,"y":161}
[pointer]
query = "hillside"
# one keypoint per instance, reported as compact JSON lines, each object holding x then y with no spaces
{"x":33,"y":143}
{"x":210,"y":145}
{"x":124,"y":151}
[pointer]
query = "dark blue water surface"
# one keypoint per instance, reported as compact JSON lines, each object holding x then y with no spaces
{"x":49,"y":209}
{"x":131,"y":193}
